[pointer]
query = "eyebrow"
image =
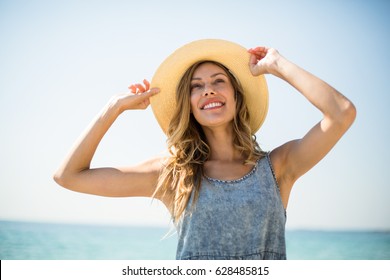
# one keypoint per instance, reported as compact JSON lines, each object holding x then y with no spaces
{"x":212,"y":76}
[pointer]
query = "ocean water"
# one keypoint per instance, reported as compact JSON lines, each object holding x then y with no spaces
{"x":44,"y":241}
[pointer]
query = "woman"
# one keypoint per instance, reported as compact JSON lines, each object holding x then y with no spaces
{"x":226,"y":196}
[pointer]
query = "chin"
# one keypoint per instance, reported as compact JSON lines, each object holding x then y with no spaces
{"x":216,"y":124}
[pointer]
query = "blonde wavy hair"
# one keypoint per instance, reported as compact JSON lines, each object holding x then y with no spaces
{"x":188,"y":147}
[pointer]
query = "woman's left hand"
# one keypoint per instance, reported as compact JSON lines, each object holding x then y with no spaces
{"x":263,"y":60}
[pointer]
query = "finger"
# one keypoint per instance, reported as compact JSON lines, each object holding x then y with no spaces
{"x":260,"y":48}
{"x":143,"y":99}
{"x":140,"y":88}
{"x":133,"y":89}
{"x":152,"y":91}
{"x":259,"y":51}
{"x":256,"y":55}
{"x":147,"y":94}
{"x":252,"y":59}
{"x":147,"y":84}
{"x":255,"y":58}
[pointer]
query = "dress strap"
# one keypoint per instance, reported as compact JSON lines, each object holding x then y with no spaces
{"x":272,"y":169}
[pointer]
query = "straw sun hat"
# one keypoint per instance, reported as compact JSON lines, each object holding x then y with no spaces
{"x":231,"y":55}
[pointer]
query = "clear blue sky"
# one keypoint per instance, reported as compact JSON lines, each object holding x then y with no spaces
{"x":61,"y":61}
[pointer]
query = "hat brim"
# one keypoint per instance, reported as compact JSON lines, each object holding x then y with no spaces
{"x":231,"y":55}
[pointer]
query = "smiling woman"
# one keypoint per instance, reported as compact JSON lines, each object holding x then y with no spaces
{"x":202,"y":84}
{"x":227,"y":197}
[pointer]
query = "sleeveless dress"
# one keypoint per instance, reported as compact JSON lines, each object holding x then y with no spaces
{"x":242,"y":219}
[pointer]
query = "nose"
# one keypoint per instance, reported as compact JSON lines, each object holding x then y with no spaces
{"x":208,"y":90}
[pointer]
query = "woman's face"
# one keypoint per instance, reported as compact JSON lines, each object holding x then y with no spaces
{"x":212,"y":96}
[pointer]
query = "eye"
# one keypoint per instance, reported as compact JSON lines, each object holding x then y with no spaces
{"x":217,"y":81}
{"x":195,"y":86}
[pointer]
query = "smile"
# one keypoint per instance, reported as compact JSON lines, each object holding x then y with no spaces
{"x":212,"y":105}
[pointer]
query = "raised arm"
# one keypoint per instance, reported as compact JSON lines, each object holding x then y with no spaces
{"x":75,"y":172}
{"x":296,"y":157}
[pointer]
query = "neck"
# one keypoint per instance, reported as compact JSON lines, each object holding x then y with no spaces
{"x":221,"y":145}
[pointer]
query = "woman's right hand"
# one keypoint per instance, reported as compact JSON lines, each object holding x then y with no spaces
{"x":138,"y":98}
{"x":75,"y":173}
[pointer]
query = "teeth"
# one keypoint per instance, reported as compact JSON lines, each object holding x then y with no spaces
{"x":212,"y":105}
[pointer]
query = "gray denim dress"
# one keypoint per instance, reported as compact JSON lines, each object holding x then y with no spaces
{"x":243,"y":219}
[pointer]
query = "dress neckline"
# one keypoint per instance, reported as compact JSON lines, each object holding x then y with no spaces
{"x":235,"y":180}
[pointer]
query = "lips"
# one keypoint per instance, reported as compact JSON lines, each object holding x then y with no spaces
{"x":211,"y":104}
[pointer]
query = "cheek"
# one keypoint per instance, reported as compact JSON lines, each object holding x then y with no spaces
{"x":193,"y":102}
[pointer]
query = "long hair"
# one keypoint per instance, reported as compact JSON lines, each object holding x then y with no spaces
{"x":188,"y":147}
